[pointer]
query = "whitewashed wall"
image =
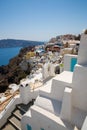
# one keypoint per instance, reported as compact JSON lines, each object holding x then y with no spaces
{"x":67,"y":61}
{"x":40,"y":118}
{"x":82,"y":54}
{"x":80,"y":87}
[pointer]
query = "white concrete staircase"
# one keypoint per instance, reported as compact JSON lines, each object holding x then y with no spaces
{"x":55,"y":97}
{"x":50,"y":105}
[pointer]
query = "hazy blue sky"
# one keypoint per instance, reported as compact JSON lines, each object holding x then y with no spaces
{"x":41,"y":19}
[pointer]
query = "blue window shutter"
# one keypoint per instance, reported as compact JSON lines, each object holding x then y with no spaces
{"x":29,"y":127}
{"x":73,"y":62}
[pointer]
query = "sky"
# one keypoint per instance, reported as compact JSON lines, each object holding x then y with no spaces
{"x":40,"y":20}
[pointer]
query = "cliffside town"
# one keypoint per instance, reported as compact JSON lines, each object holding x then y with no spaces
{"x":31,"y":58}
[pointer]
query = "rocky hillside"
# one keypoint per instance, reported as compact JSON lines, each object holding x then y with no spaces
{"x":64,"y":37}
{"x":12,"y":73}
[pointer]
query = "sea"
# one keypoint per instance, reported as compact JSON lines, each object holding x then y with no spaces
{"x":7,"y":53}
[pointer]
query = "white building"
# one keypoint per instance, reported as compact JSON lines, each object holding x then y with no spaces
{"x":62,"y":102}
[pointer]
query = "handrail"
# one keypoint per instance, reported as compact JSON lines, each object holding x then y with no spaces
{"x":7,"y":106}
{"x":9,"y":100}
{"x":5,"y":103}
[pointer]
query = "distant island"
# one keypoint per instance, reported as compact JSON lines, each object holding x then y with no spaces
{"x":6,"y":43}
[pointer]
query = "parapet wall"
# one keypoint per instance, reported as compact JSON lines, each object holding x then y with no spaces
{"x":79,"y":87}
{"x":67,"y":62}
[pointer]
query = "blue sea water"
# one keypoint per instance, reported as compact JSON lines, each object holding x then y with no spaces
{"x":7,"y":53}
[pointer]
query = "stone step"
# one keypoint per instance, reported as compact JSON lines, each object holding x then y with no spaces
{"x":18,"y":113}
{"x":8,"y":126}
{"x":15,"y":122}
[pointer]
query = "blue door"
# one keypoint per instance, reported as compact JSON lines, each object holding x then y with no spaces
{"x":29,"y":127}
{"x":73,"y":62}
